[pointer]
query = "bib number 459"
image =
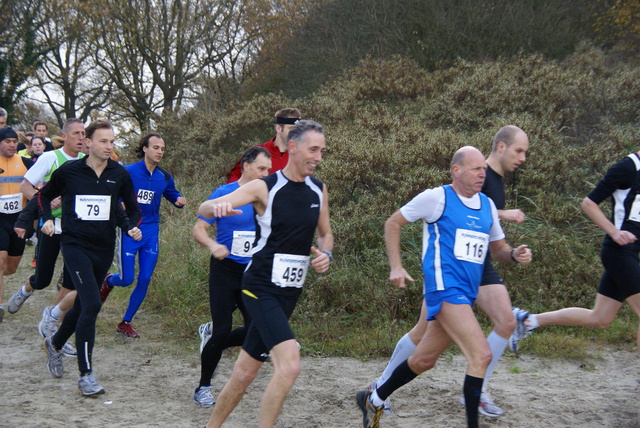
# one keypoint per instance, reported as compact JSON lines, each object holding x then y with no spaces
{"x":289,"y":270}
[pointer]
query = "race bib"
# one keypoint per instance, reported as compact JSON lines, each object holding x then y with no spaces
{"x":145,"y":196}
{"x":471,"y":246}
{"x":242,"y":243}
{"x":93,"y":207}
{"x":11,"y":204}
{"x":289,"y":270}
{"x":634,"y":214}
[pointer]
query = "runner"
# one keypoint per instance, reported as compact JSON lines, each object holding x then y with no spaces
{"x":90,"y":188}
{"x":290,"y":206}
{"x":12,"y":171}
{"x":151,"y":183}
{"x":460,"y":225}
{"x":230,"y":253}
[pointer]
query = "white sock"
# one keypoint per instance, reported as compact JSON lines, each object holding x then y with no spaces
{"x":56,"y":312}
{"x":497,"y":344}
{"x":404,"y":349}
{"x":531,"y":322}
{"x":376,"y":400}
{"x":24,"y":291}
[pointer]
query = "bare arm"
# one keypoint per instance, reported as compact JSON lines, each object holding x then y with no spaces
{"x":200,"y":234}
{"x":392,"y":240}
{"x":255,"y":192}
{"x":516,"y":216}
{"x":593,"y":211}
{"x":503,"y":252}
{"x":325,"y":237}
{"x":27,"y":189}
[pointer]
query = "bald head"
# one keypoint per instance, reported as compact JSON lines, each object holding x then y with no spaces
{"x":463,"y":153}
{"x":508,"y":135}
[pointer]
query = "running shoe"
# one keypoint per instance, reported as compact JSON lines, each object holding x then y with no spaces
{"x":370,"y":414}
{"x":68,"y":350}
{"x":48,"y":324}
{"x":521,"y":330}
{"x":89,"y":386}
{"x":105,"y":288}
{"x":127,"y":329}
{"x":486,"y":406}
{"x":1,"y":312}
{"x":205,"y":334}
{"x":204,"y":397}
{"x":54,"y":360}
{"x":16,"y":301}
{"x":387,"y":403}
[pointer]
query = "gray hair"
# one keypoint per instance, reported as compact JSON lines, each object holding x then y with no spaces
{"x":69,"y":122}
{"x":298,"y":131}
{"x":3,"y":112}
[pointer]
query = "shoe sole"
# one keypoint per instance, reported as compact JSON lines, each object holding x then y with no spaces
{"x":124,"y":333}
{"x":91,"y":394}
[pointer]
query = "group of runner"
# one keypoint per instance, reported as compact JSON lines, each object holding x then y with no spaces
{"x":267,"y":218}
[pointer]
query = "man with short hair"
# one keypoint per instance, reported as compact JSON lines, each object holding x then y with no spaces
{"x":150,"y":183}
{"x":460,"y":225}
{"x":12,"y":171}
{"x":41,"y":129}
{"x":91,"y":190}
{"x":290,"y":206}
{"x":3,"y":117}
{"x":73,"y":134}
{"x":284,"y":119}
{"x":510,"y":145}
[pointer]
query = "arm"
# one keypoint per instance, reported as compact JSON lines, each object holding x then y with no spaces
{"x":516,"y":216}
{"x":200,"y":234}
{"x":172,"y":195}
{"x":392,"y":240}
{"x":27,"y":189}
{"x":129,"y":222}
{"x":255,"y":192}
{"x":325,"y":237}
{"x":503,"y":252}
{"x":593,"y":211}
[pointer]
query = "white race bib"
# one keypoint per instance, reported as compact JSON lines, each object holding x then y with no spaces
{"x":145,"y":196}
{"x":11,"y":204}
{"x":93,"y":207}
{"x":242,"y":243}
{"x":289,"y":270}
{"x":471,"y":246}
{"x":634,"y":214}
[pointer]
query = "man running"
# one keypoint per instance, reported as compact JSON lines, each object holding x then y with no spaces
{"x":12,"y":171}
{"x":151,"y":183}
{"x":91,"y":189}
{"x":460,"y":225}
{"x":290,"y":206}
{"x":510,"y":145}
{"x":230,"y":253}
{"x":48,"y":249}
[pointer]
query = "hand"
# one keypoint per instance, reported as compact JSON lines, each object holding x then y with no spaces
{"x":516,"y":216}
{"x":219,"y":251}
{"x":180,"y":202}
{"x":55,"y":204}
{"x":397,"y":277}
{"x":135,"y":233}
{"x":223,"y":209}
{"x":20,"y":232}
{"x":48,"y":228}
{"x":321,"y":261}
{"x":623,"y":237}
{"x":523,"y":255}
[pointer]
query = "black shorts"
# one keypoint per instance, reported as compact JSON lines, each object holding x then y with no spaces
{"x":269,"y":321}
{"x":621,"y":277}
{"x":489,"y":274}
{"x":9,"y":241}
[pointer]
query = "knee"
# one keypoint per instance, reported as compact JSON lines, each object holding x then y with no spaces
{"x":481,"y":358}
{"x":506,"y":325}
{"x":290,"y":370}
{"x":600,"y":322}
{"x":243,"y":376}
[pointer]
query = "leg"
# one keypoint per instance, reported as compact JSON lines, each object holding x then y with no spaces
{"x":603,"y":312}
{"x":3,"y":263}
{"x":147,"y":259}
{"x":286,"y":362}
{"x":244,"y":371}
{"x":634,"y":302}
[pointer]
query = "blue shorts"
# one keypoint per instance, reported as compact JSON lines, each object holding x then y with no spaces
{"x":455,"y":296}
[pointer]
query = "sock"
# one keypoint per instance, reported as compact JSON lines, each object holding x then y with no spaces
{"x":497,"y":344}
{"x":531,"y":322}
{"x":404,"y":349}
{"x":24,"y":293}
{"x":400,"y":376}
{"x":472,"y":389}
{"x":56,"y":312}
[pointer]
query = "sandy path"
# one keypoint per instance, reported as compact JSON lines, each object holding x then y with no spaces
{"x":150,"y":385}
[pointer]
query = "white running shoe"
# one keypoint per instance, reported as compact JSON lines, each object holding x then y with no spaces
{"x":68,"y":350}
{"x":205,"y":334}
{"x":203,"y":396}
{"x":89,"y":386}
{"x":54,"y":358}
{"x":521,"y":330}
{"x":48,"y":324}
{"x":387,"y":403}
{"x":16,"y":301}
{"x":487,"y":406}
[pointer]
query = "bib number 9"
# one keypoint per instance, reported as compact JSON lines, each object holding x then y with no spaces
{"x":242,"y":243}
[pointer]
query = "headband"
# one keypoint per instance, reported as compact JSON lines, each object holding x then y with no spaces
{"x":287,"y":120}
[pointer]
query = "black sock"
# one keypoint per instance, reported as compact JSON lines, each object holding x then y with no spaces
{"x":472,"y":389}
{"x":400,"y":376}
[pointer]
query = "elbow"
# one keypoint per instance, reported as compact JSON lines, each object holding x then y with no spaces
{"x":586,"y":204}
